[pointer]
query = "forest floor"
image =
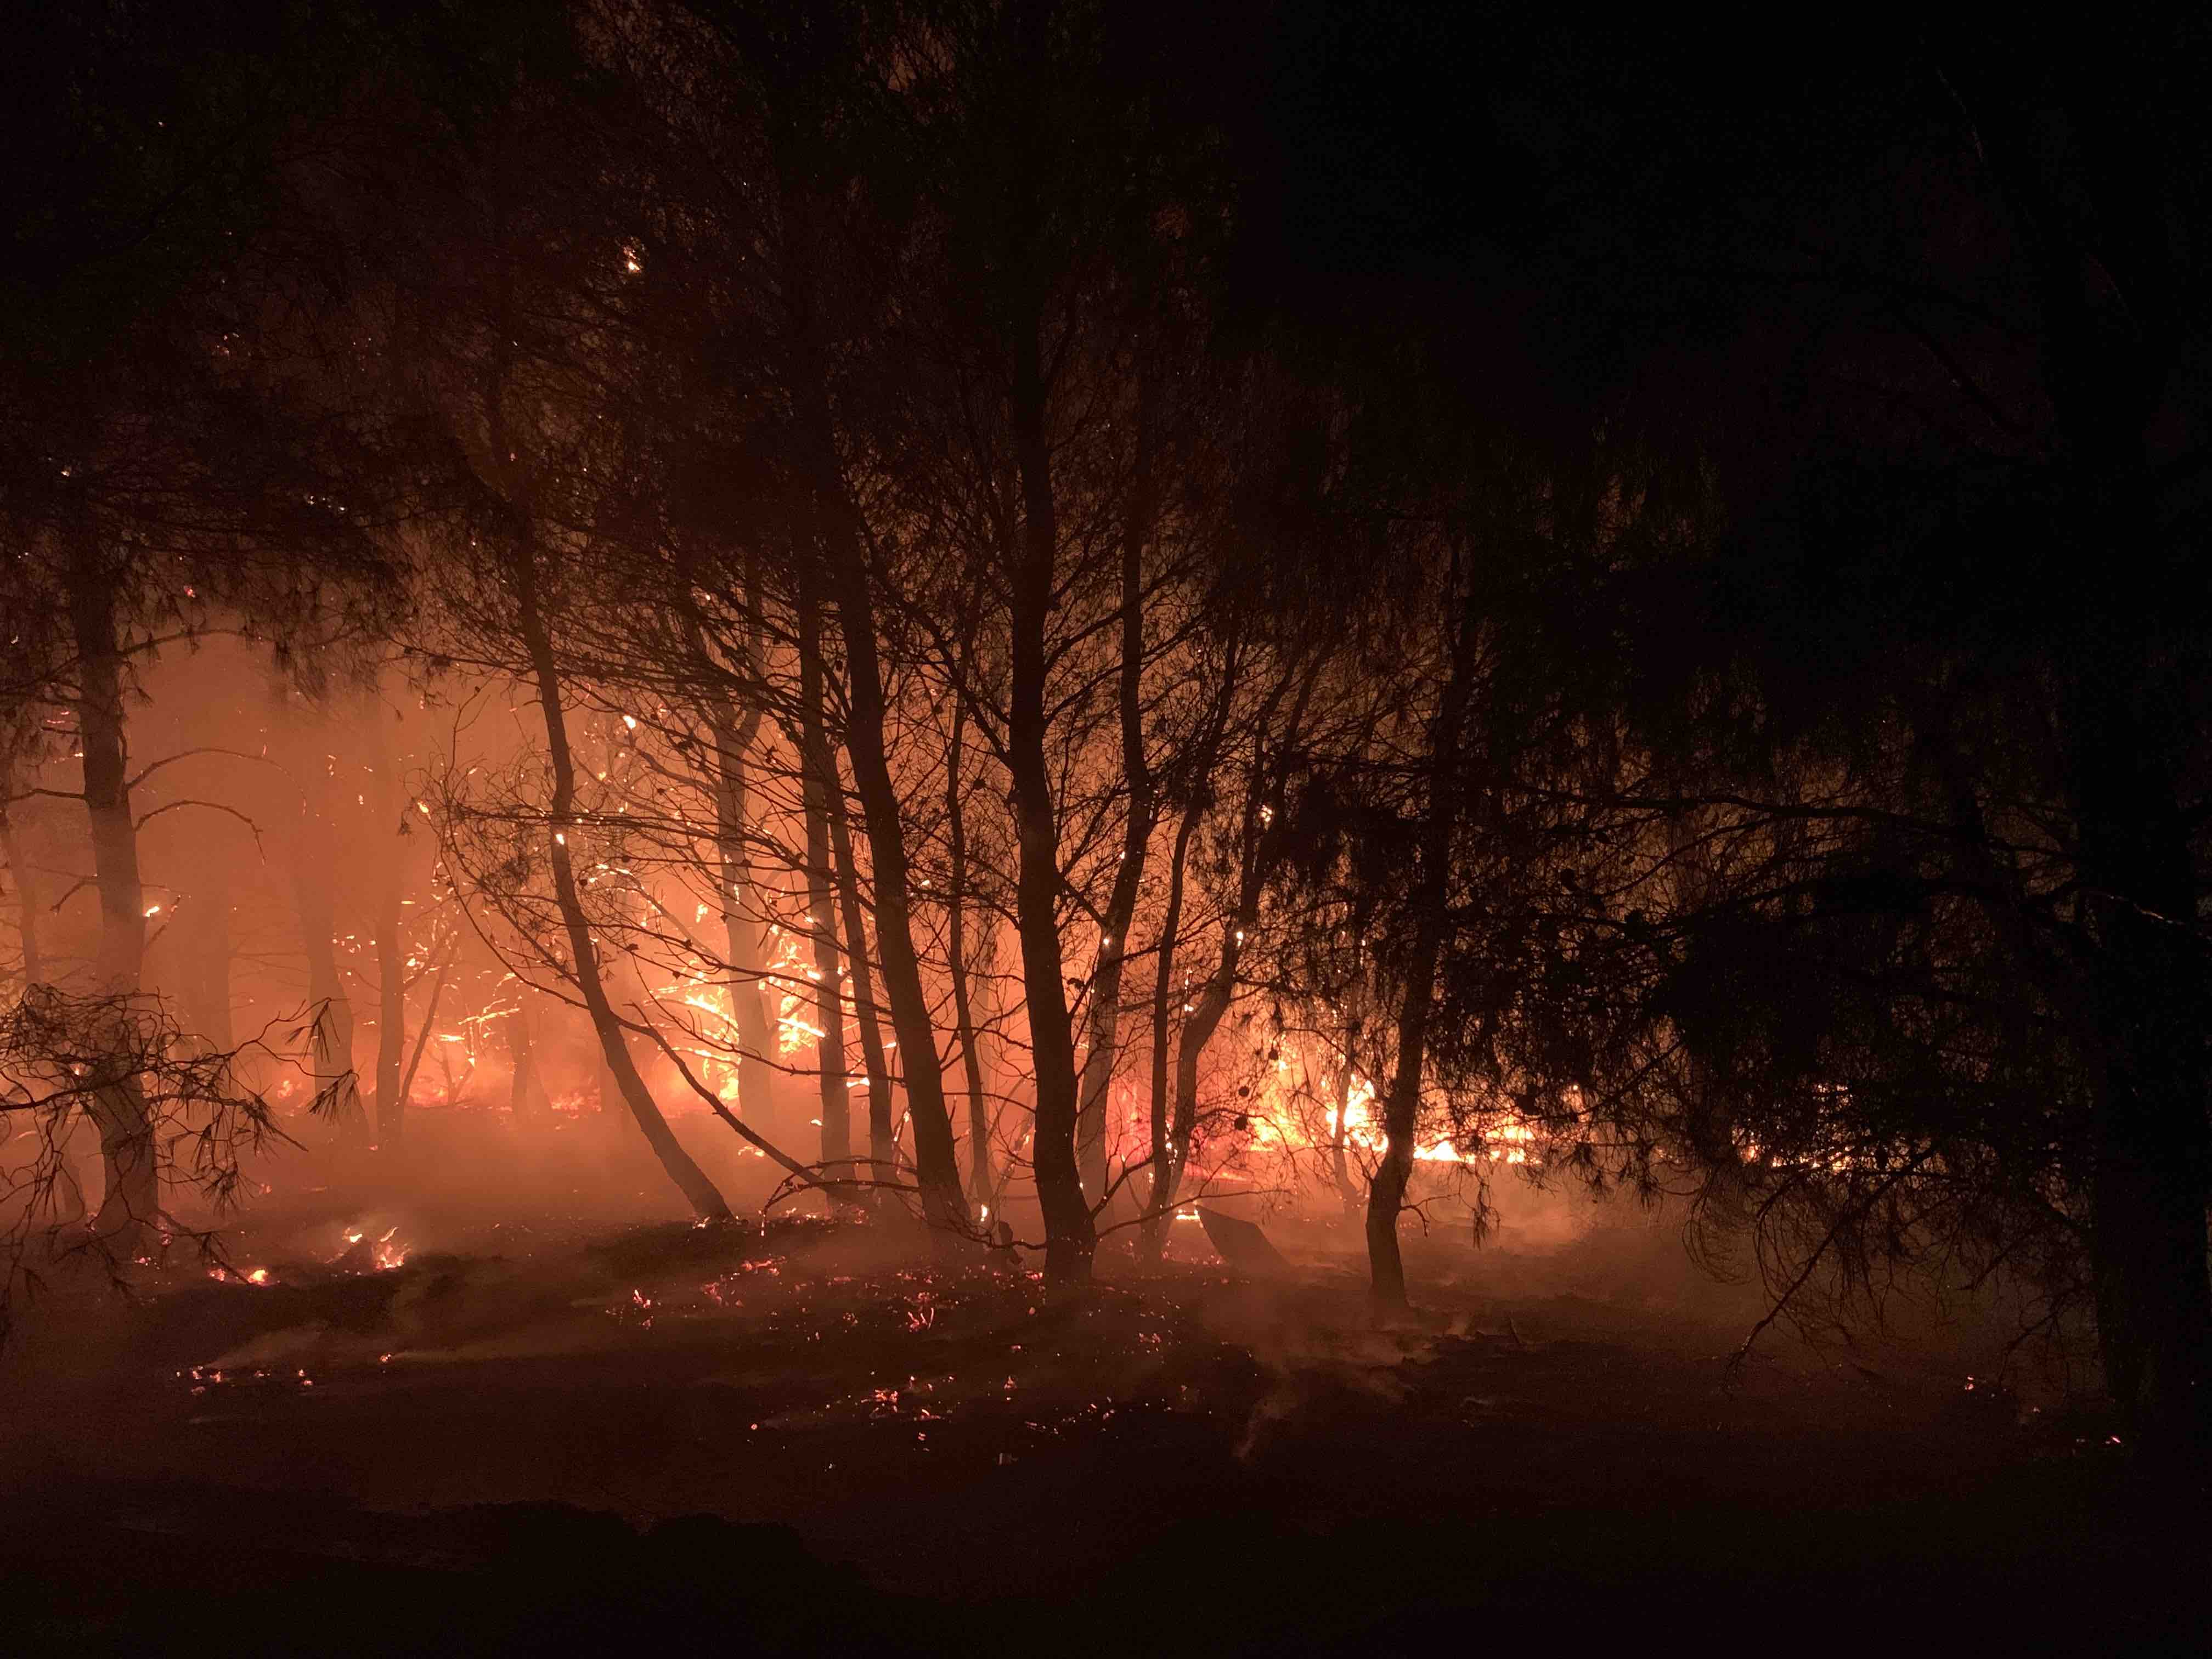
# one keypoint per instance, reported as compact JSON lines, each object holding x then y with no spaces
{"x":555,"y":1436}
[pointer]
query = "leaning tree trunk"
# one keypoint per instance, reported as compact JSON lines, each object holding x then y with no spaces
{"x":1262,"y":831}
{"x":614,"y":1045}
{"x":836,"y":520}
{"x":956,"y":951}
{"x":1071,"y":1234}
{"x":1386,"y":1193}
{"x":745,"y":949}
{"x":1199,"y":1027}
{"x":936,"y":1162}
{"x":1167,"y":1152}
{"x":132,"y":1205}
{"x":875,"y":1059}
{"x":743,"y":931}
{"x":1104,"y":1024}
{"x":404,"y":1090}
{"x":814,"y":777}
{"x":1169,"y":1149}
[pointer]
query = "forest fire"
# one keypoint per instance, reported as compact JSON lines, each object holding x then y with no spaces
{"x":1209,"y":824}
{"x":1284,"y":1119}
{"x":363,"y":1253}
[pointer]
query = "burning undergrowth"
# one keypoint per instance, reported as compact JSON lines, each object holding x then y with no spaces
{"x":810,"y":1340}
{"x":817,"y":1375}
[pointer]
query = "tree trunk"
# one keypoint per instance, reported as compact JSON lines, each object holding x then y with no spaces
{"x":1199,"y":1027}
{"x":816,"y":772}
{"x":131,"y":1205}
{"x":1205,"y":1019}
{"x":875,"y":1060}
{"x":314,"y":865}
{"x":1170,"y":1147}
{"x":526,"y":1095}
{"x":614,"y":1044}
{"x":1071,"y":1235}
{"x":1402,"y":1108}
{"x":1104,"y":1024}
{"x":745,"y":931}
{"x":391,"y":1022}
{"x":1167,"y":1152}
{"x":980,"y":1187}
{"x":745,"y":948}
{"x":1340,"y":1143}
{"x":937,"y":1163}
{"x":404,"y":1089}
{"x":27,"y":898}
{"x":744,"y":924}
{"x":390,"y":955}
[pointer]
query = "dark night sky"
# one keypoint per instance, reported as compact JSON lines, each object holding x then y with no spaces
{"x":1545,"y":198}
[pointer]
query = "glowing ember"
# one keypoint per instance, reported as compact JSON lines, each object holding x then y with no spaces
{"x":377,"y":1254}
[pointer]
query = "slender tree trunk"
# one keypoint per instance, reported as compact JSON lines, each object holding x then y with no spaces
{"x":1104,"y":1024}
{"x":26,"y":899}
{"x":744,"y":923}
{"x":1386,"y":1193}
{"x":936,"y":1160}
{"x":1198,"y":1030}
{"x":391,"y":954}
{"x":1339,"y":1144}
{"x":875,"y":1060}
{"x":132,"y":1205}
{"x":404,"y":1090}
{"x":815,"y":776}
{"x":745,"y":949}
{"x":955,"y":948}
{"x":1171,"y":1145}
{"x":1071,"y":1235}
{"x":1258,"y":836}
{"x":391,"y":1022}
{"x":526,"y":1095}
{"x":315,"y":863}
{"x":1167,"y":1152}
{"x":614,"y":1043}
{"x":744,"y":928}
